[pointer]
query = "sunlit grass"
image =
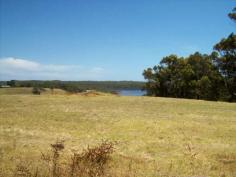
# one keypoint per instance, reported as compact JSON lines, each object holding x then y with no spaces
{"x":156,"y":136}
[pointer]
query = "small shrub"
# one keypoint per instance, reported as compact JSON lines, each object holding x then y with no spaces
{"x":92,"y":161}
{"x":36,"y":91}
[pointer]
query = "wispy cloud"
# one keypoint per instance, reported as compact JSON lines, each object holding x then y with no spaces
{"x":15,"y":68}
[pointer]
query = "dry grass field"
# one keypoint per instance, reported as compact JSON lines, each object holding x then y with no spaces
{"x":153,"y":136}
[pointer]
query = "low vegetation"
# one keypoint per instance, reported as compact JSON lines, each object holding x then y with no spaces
{"x":30,"y":91}
{"x":90,"y":162}
{"x":77,"y":86}
{"x":153,"y":136}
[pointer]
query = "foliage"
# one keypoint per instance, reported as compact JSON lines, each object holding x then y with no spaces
{"x":191,"y":77}
{"x":226,"y":63}
{"x":79,"y":86}
{"x":232,"y":15}
{"x":12,"y":83}
{"x":198,"y":76}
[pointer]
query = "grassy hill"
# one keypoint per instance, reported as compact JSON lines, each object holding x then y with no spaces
{"x":155,"y":136}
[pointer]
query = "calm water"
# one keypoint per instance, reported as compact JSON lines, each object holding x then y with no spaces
{"x":131,"y":92}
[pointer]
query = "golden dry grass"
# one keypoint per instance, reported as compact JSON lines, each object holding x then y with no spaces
{"x":156,"y":136}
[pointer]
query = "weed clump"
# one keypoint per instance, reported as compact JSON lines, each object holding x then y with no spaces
{"x":92,"y":161}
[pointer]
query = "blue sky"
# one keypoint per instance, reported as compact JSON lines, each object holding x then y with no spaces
{"x":104,"y":39}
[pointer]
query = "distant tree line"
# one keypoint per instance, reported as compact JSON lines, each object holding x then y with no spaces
{"x":198,"y":76}
{"x":78,"y":86}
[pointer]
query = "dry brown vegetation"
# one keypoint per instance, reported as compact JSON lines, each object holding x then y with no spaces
{"x":156,"y":136}
{"x":91,"y":162}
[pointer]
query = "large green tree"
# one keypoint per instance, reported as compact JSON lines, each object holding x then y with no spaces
{"x":191,"y":77}
{"x":210,"y":77}
{"x":226,"y":61}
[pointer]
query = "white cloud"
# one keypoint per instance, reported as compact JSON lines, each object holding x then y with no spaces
{"x":15,"y":68}
{"x":12,"y":63}
{"x":96,"y":70}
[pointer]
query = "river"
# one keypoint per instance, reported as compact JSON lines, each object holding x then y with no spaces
{"x":131,"y":92}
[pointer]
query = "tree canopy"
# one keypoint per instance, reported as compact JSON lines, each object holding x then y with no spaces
{"x":191,"y":77}
{"x":79,"y":86}
{"x":232,"y":15}
{"x":199,"y":76}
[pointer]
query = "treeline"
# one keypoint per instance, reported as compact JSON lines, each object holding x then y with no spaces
{"x":78,"y":86}
{"x":198,"y":76}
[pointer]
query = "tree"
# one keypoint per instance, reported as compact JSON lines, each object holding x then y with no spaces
{"x":232,"y":15}
{"x":12,"y":83}
{"x":205,"y":72}
{"x":226,"y":61}
{"x":191,"y":77}
{"x":152,"y":84}
{"x":210,"y":77}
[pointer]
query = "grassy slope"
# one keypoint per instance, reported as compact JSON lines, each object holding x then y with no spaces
{"x":158,"y":135}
